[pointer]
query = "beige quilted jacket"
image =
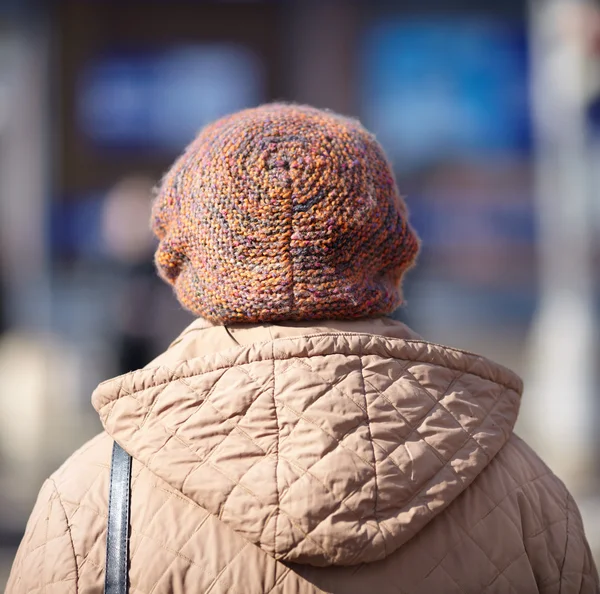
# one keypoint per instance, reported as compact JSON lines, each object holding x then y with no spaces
{"x":344,"y":457}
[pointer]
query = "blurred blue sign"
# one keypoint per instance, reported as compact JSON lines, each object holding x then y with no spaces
{"x":436,"y":88}
{"x":160,"y":99}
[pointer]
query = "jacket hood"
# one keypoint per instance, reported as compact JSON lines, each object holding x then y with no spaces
{"x":323,"y":445}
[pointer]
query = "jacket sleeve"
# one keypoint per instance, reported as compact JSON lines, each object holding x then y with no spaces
{"x":578,"y":573}
{"x":45,"y":561}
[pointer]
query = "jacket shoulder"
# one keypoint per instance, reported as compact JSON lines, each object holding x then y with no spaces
{"x":85,"y":471}
{"x":174,"y":545}
{"x":48,"y":557}
{"x":521,"y":515}
{"x":45,"y":559}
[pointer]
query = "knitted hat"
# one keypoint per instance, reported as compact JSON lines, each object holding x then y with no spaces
{"x":283,"y":212}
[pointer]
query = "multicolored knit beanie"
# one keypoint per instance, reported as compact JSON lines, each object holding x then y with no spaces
{"x":283,"y":212}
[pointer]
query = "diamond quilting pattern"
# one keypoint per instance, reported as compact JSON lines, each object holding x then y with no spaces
{"x":337,"y":442}
{"x":327,"y":450}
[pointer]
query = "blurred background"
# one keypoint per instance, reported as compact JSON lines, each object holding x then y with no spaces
{"x":490,"y":113}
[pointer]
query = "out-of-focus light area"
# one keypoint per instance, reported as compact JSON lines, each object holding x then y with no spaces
{"x":489,"y":112}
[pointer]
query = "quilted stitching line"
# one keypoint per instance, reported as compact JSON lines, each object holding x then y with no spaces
{"x":564,"y":559}
{"x":545,"y":529}
{"x":376,"y":493}
{"x":460,"y":527}
{"x":396,"y":410}
{"x":300,"y":416}
{"x":308,"y":470}
{"x":97,"y":512}
{"x":275,"y":543}
{"x":469,"y":437}
{"x":111,"y":403}
{"x":499,"y":399}
{"x":418,"y":346}
{"x":62,"y":507}
{"x":136,"y":531}
{"x":237,"y":482}
{"x":224,"y":419}
{"x":134,"y":395}
{"x":279,"y":581}
{"x":277,"y":445}
{"x":235,"y":425}
{"x":178,"y":375}
{"x":305,"y":470}
{"x":46,"y":540}
{"x":558,"y":502}
{"x":149,"y":413}
{"x":440,"y":566}
{"x":92,"y":485}
{"x":501,"y":574}
{"x":333,"y":386}
{"x":584,"y":579}
{"x":426,"y":391}
{"x":251,"y":493}
{"x":161,"y":507}
{"x":136,"y":477}
{"x":410,"y":357}
{"x":179,"y":555}
{"x":206,"y":459}
{"x":532,"y":508}
{"x":444,"y":462}
{"x":286,"y":364}
{"x":98,"y":566}
{"x":326,"y":488}
{"x":388,"y":457}
{"x":439,"y":562}
{"x":204,"y":398}
{"x":172,"y":551}
{"x":182,"y":380}
{"x":503,"y":499}
{"x":414,"y":428}
{"x":367,"y":544}
{"x":87,"y":558}
{"x":188,"y":447}
{"x":307,"y":535}
{"x":341,"y":503}
{"x":225,"y":567}
{"x":52,"y":583}
{"x":425,"y":485}
{"x":80,"y":505}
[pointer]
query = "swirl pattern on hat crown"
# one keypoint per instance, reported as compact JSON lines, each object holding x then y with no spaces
{"x":283,"y":212}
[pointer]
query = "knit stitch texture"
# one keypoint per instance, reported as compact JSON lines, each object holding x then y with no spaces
{"x":283,"y":212}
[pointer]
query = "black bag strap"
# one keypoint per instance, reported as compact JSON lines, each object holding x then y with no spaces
{"x":117,"y":536}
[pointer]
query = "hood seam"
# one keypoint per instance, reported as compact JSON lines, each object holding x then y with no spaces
{"x":175,"y":371}
{"x":376,"y":493}
{"x":277,"y":442}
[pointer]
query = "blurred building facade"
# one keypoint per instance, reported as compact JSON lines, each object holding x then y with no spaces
{"x":98,"y":98}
